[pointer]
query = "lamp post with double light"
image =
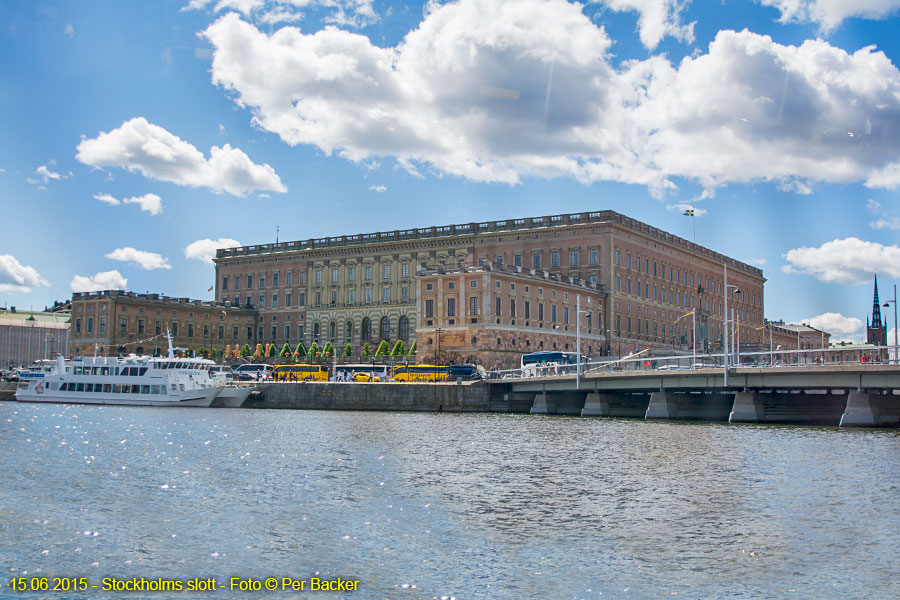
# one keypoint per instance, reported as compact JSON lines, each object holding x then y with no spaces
{"x":896,"y":348}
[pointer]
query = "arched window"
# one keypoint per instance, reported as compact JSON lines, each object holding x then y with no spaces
{"x":403,"y":328}
{"x":349,"y":331}
{"x":332,"y":331}
{"x":386,"y":329}
{"x":315,"y":332}
{"x":366,"y":333}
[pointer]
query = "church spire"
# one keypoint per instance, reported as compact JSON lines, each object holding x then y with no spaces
{"x":876,"y":308}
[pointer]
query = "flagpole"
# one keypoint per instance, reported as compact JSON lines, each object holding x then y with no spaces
{"x":694,"y":224}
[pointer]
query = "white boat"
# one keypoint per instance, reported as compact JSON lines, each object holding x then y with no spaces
{"x":132,"y":380}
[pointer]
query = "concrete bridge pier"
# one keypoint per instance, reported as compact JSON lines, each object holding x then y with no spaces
{"x":870,"y":409}
{"x":596,"y":405}
{"x":663,"y":405}
{"x":513,"y":402}
{"x":747,"y":408}
{"x":544,"y":404}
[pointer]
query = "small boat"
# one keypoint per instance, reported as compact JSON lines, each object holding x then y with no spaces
{"x":131,"y":380}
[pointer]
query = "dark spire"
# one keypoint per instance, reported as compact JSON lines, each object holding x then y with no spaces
{"x":876,"y":308}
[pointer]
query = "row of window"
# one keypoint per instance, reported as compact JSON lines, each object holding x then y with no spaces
{"x":110,"y":388}
{"x":536,"y":259}
{"x":110,"y":371}
{"x":350,"y":297}
{"x":289,"y":276}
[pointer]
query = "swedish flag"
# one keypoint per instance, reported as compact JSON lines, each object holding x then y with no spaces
{"x":689,"y":212}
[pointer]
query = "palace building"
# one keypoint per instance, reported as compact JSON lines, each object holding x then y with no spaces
{"x":489,"y":291}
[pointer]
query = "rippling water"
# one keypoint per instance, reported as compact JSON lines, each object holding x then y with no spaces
{"x":448,"y":505}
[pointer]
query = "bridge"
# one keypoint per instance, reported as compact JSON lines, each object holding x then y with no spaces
{"x":848,"y":395}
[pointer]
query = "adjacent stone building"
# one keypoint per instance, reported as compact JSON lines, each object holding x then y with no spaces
{"x":26,"y":336}
{"x":364,"y":288}
{"x":117,"y":322}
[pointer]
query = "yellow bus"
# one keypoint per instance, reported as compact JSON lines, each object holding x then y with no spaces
{"x":300,"y":373}
{"x":421,"y":373}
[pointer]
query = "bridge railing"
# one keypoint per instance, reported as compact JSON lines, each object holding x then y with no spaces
{"x":644,"y":361}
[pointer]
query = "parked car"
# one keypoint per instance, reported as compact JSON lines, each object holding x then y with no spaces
{"x":363,"y":376}
{"x":223,"y":371}
{"x":253,"y":372}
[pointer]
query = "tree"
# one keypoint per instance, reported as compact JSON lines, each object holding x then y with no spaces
{"x":245,"y":350}
{"x":214,"y":354}
{"x":412,"y":348}
{"x":300,"y":350}
{"x":382,"y":349}
{"x":366,"y":350}
{"x":259,"y":351}
{"x":348,"y":350}
{"x":313,"y":350}
{"x":286,"y":350}
{"x":202,"y":351}
{"x":399,"y":348}
{"x":328,"y":350}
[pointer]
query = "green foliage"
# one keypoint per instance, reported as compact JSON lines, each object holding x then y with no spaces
{"x":399,"y":348}
{"x":366,"y":350}
{"x":245,"y":350}
{"x":412,"y":349}
{"x":313,"y":350}
{"x":300,"y":350}
{"x":285,"y":350}
{"x":201,"y":351}
{"x":328,"y":350}
{"x":348,"y":350}
{"x":214,"y":354}
{"x":382,"y":349}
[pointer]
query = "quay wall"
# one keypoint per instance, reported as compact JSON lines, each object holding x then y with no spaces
{"x":447,"y":397}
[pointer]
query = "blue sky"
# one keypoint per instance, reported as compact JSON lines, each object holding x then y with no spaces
{"x":139,"y":136}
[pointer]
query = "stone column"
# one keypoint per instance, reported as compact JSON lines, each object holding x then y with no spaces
{"x":747,"y":408}
{"x":543,"y":405}
{"x":596,"y":405}
{"x":663,"y":405}
{"x":861,"y":410}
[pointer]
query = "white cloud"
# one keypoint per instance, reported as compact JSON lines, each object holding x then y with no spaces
{"x":70,"y":30}
{"x":352,"y":13}
{"x":205,"y":249}
{"x":44,"y":176}
{"x":884,"y":220}
{"x":698,"y":212}
{"x":106,"y":280}
{"x":150,"y":203}
{"x":158,"y":154}
{"x":839,"y":326}
{"x":16,"y":277}
{"x":378,"y":188}
{"x":829,"y":14}
{"x":748,"y":109}
{"x":846,"y":261}
{"x":657,"y":19}
{"x":145,"y":260}
{"x":758,"y":262}
{"x":111,"y":200}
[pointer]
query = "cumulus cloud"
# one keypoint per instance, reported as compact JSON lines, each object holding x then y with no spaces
{"x":656,"y":19}
{"x":847,"y":261}
{"x":884,"y":219}
{"x":829,"y":14}
{"x":205,"y":249}
{"x":492,"y":90}
{"x":16,"y":277}
{"x":158,"y":154}
{"x":105,"y":280}
{"x":838,"y":325}
{"x":150,"y":203}
{"x":111,"y":200}
{"x":145,"y":260}
{"x":378,"y":188}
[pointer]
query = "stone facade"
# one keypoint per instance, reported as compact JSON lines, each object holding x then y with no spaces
{"x":115,"y":321}
{"x":357,"y":288}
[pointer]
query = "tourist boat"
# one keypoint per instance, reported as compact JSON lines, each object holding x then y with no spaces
{"x":132,"y":380}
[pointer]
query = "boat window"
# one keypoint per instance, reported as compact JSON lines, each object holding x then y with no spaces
{"x":145,"y":389}
{"x":117,"y":388}
{"x":50,"y":385}
{"x":89,"y":387}
{"x":181,"y":385}
{"x":93,"y":370}
{"x":142,"y":371}
{"x":80,"y":387}
{"x":104,"y":370}
{"x":107,"y":388}
{"x":76,"y":371}
{"x":174,"y":387}
{"x":135,"y":389}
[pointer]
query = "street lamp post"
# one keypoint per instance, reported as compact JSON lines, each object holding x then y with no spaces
{"x":894,"y":301}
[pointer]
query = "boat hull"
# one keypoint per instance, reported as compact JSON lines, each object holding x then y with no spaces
{"x":203,"y":397}
{"x":232,"y":396}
